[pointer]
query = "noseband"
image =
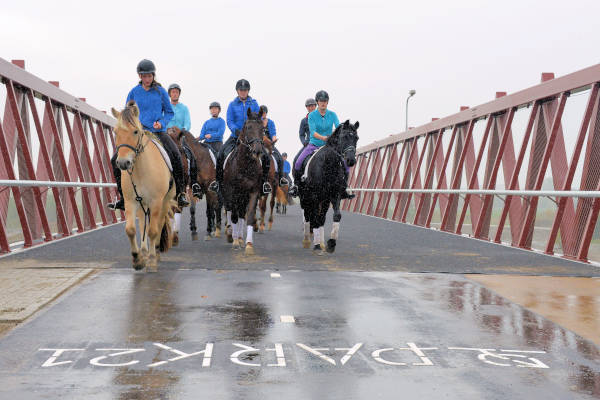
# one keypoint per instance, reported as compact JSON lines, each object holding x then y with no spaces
{"x":137,"y":150}
{"x":249,"y":143}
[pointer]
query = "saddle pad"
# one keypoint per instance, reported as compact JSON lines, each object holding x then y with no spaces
{"x":163,"y":153}
{"x":305,"y":174}
{"x":212,"y":155}
{"x":226,"y":159}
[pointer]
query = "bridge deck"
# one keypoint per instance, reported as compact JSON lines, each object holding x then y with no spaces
{"x":390,"y":310}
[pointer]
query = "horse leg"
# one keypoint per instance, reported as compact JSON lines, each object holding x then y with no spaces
{"x":218,"y":217}
{"x":176,"y":226}
{"x":193,"y":219}
{"x":271,"y":214}
{"x":209,"y":219}
{"x":235,"y":228}
{"x":229,"y":228}
{"x":263,"y":210}
{"x":251,"y":219}
{"x":153,"y":233}
{"x":138,"y":261}
{"x":335,"y":230}
{"x":143,"y":236}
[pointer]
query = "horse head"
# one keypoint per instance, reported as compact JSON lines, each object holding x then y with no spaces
{"x":128,"y":135}
{"x":344,"y":140}
{"x":176,"y":134}
{"x":252,"y":133}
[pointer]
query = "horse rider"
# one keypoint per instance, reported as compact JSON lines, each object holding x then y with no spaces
{"x":237,"y":113}
{"x":271,"y":133}
{"x":213,"y":128}
{"x":321,"y":123}
{"x":182,"y":121}
{"x":155,"y":113}
{"x":310,"y":105}
{"x":287,"y":168}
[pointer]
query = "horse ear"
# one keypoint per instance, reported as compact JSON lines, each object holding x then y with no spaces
{"x":115,"y":113}
{"x":134,"y":108}
{"x":346,"y":123}
{"x":261,"y":111}
{"x":356,"y":124}
{"x":249,"y":113}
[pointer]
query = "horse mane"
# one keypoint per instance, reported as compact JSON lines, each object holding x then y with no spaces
{"x":334,"y":138}
{"x":129,"y":115}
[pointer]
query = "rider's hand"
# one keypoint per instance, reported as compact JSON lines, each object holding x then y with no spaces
{"x":157,"y":125}
{"x":275,"y":139}
{"x":207,"y":136}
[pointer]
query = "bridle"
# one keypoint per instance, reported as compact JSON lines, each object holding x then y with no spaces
{"x":137,"y":150}
{"x":249,"y":143}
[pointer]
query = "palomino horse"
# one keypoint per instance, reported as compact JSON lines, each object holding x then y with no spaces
{"x":242,"y":182}
{"x":324,"y":184}
{"x":262,"y":203}
{"x":206,"y":174}
{"x":148,"y":187}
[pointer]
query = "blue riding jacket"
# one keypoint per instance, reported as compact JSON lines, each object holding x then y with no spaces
{"x":154,"y":105}
{"x":215,"y":127}
{"x":237,"y":113}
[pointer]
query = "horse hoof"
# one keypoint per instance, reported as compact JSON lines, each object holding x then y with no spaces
{"x":306,"y":244}
{"x":229,"y":238}
{"x":249,"y":249}
{"x":236,"y":244}
{"x":175,"y":239}
{"x":317,"y":250}
{"x":138,"y":264}
{"x":270,"y":225}
{"x":261,"y":229}
{"x":153,"y":268}
{"x":207,"y":238}
{"x":194,"y":236}
{"x":331,"y":245}
{"x":255,"y":228}
{"x":218,"y":233}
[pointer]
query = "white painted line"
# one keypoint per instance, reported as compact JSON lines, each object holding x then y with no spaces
{"x":184,"y":269}
{"x":288,"y":318}
{"x":275,"y":275}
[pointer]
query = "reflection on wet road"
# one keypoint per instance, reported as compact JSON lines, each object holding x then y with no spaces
{"x":218,"y":335}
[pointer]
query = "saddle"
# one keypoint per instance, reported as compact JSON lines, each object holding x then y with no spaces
{"x":163,"y":153}
{"x":306,"y":164}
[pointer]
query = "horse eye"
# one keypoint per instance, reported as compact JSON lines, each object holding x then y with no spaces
{"x":135,"y":132}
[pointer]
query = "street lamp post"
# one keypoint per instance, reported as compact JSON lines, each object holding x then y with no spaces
{"x":411,"y":93}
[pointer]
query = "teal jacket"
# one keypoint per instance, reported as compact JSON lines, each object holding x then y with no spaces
{"x":182,"y":117}
{"x":323,"y":125}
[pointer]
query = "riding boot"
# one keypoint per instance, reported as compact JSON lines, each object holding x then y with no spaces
{"x":266,"y":165}
{"x":215,"y":185}
{"x":118,"y":204}
{"x":175,"y":157}
{"x":196,"y":189}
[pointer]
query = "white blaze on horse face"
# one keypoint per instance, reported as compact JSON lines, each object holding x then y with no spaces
{"x":249,"y":232}
{"x":335,"y":230}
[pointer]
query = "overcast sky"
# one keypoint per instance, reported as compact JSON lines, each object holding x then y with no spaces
{"x":366,"y":54}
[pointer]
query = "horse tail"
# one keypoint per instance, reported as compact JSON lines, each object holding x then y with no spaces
{"x":166,"y":233}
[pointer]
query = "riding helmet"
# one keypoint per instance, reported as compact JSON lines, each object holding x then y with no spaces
{"x":146,"y":67}
{"x":174,"y":86}
{"x":322,"y":96}
{"x":215,"y":104}
{"x":242,"y":84}
{"x":283,"y":154}
{"x":310,"y":102}
{"x":264,"y":109}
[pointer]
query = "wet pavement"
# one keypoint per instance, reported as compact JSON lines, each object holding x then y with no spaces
{"x":286,"y":324}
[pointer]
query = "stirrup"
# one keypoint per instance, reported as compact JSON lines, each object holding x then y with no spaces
{"x":283,"y":181}
{"x":214,"y":186}
{"x":182,"y":201}
{"x":117,"y":205}
{"x":197,"y":190}
{"x":267,"y":188}
{"x":293,"y":191}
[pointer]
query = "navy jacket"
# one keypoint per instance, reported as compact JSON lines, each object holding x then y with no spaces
{"x":304,"y":131}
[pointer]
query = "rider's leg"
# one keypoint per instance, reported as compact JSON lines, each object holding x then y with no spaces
{"x":266,"y":165}
{"x":297,"y":171}
{"x":175,"y":157}
{"x":196,"y":190}
{"x":282,"y":180}
{"x":225,"y":150}
{"x":118,"y":204}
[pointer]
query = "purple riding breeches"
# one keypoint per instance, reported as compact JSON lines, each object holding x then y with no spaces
{"x":308,"y":150}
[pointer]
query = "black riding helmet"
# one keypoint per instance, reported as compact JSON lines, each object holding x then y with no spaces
{"x":214,"y":104}
{"x":264,"y":109}
{"x":174,"y":86}
{"x":322,"y":96}
{"x":310,"y":102}
{"x":146,"y":67}
{"x":242,"y":84}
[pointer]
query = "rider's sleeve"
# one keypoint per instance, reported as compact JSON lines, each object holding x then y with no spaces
{"x":203,"y":131}
{"x":271,"y":127}
{"x":336,"y":121}
{"x":187,"y":121}
{"x":129,"y":97}
{"x":220,"y":130}
{"x":166,"y":108}
{"x":230,"y":122}
{"x":301,"y":132}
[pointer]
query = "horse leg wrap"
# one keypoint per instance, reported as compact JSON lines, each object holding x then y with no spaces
{"x":249,"y":231}
{"x":335,"y":230}
{"x":229,"y":218}
{"x":241,"y":228}
{"x":177,"y":222}
{"x":322,"y":235}
{"x":317,"y":234}
{"x":306,"y":230}
{"x":235,"y":228}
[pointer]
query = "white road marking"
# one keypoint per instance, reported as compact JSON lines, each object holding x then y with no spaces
{"x":275,"y":275}
{"x":51,"y":362}
{"x":207,"y":352}
{"x":119,"y":352}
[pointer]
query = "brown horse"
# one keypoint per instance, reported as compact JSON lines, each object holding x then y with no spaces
{"x":242,"y":182}
{"x":262,"y":205}
{"x":148,"y":187}
{"x":206,"y":174}
{"x":282,"y":200}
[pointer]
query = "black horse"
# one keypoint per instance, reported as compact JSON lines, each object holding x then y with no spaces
{"x":324,"y":184}
{"x":242,"y":182}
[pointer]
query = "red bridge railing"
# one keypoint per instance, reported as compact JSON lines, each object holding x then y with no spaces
{"x":499,"y":171}
{"x":70,"y":150}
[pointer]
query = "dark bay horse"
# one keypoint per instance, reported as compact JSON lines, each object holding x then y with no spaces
{"x":325,"y":181}
{"x":206,"y":174}
{"x":262,"y":203}
{"x":242,"y":182}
